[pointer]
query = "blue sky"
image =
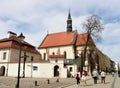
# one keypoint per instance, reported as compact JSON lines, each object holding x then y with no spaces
{"x":36,"y":18}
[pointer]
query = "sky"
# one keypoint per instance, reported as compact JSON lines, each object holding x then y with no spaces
{"x":36,"y":18}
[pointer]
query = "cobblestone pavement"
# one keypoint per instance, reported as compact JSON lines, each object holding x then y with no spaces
{"x":10,"y":82}
{"x":111,"y":82}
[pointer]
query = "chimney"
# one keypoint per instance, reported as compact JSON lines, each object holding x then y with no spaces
{"x":10,"y":34}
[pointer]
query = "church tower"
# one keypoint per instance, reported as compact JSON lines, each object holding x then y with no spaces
{"x":69,"y":22}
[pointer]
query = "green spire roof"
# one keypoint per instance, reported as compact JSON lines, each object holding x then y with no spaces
{"x":69,"y":22}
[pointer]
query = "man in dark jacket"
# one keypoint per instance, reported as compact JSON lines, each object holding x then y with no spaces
{"x":95,"y":76}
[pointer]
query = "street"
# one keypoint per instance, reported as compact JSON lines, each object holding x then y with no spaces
{"x":111,"y":82}
{"x":10,"y":82}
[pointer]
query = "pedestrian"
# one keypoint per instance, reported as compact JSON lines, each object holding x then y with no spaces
{"x":84,"y":77}
{"x":95,"y":76}
{"x":78,"y":78}
{"x":103,"y":75}
{"x":112,"y":73}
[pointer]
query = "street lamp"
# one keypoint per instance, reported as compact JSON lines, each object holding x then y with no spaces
{"x":20,"y":38}
{"x":25,"y":57}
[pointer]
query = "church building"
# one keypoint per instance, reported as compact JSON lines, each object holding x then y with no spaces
{"x":65,"y":46}
{"x":59,"y":55}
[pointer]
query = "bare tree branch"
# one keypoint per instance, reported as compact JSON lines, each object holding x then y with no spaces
{"x":93,"y":27}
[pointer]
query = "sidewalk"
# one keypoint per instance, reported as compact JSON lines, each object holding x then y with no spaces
{"x":116,"y":83}
{"x":90,"y":84}
{"x":10,"y":82}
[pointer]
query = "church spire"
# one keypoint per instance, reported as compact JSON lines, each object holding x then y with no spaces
{"x":69,"y":22}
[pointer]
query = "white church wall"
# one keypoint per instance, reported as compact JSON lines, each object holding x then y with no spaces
{"x":13,"y":70}
{"x":69,"y":51}
{"x":35,"y":70}
{"x":58,"y":50}
{"x":42,"y":51}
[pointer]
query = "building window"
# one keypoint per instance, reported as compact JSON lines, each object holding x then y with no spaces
{"x":35,"y":68}
{"x":65,"y":55}
{"x":71,"y":69}
{"x":32,"y":58}
{"x":56,"y":61}
{"x":44,"y":56}
{"x":53,"y":53}
{"x":4,"y":55}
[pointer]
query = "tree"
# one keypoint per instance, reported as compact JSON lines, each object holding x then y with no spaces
{"x":93,"y":27}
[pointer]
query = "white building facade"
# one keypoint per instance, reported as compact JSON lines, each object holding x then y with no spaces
{"x":34,"y":65}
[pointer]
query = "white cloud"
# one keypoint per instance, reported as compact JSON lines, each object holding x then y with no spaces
{"x":35,"y":17}
{"x":111,"y":42}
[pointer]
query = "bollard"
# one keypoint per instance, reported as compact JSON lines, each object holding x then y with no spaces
{"x":48,"y":81}
{"x":35,"y":83}
{"x":57,"y":80}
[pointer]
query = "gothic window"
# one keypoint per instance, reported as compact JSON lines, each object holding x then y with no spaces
{"x":44,"y":56}
{"x":32,"y":58}
{"x":53,"y":53}
{"x":4,"y":55}
{"x":58,"y":51}
{"x":65,"y":54}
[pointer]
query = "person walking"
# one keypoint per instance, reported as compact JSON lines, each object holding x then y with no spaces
{"x":95,"y":76}
{"x":78,"y":78}
{"x":103,"y":75}
{"x":112,"y":73}
{"x":84,"y":77}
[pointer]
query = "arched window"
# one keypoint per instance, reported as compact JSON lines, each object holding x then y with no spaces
{"x":44,"y":56}
{"x":32,"y":58}
{"x":53,"y":53}
{"x":4,"y":55}
{"x":65,"y":54}
{"x":56,"y":70}
{"x":2,"y":70}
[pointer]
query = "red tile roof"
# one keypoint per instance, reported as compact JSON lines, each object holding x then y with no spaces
{"x":15,"y":39}
{"x":35,"y":61}
{"x":64,"y":38}
{"x":58,"y":39}
{"x":82,"y":38}
{"x":13,"y":42}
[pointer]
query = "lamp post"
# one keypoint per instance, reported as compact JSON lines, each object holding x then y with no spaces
{"x":25,"y":57}
{"x":20,"y":38}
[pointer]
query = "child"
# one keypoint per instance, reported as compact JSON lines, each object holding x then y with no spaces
{"x":84,"y":77}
